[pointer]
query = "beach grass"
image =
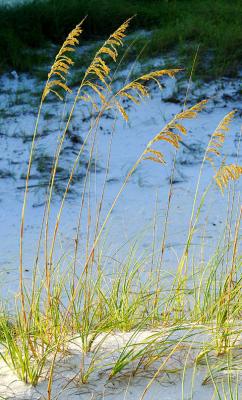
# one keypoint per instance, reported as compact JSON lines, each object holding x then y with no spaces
{"x":139,"y":297}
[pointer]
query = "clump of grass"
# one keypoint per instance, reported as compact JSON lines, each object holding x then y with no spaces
{"x":20,"y":352}
{"x":82,"y":300}
{"x":216,"y":26}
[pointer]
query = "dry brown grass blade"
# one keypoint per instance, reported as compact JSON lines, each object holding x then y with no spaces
{"x":226,"y":173}
{"x":62,"y":63}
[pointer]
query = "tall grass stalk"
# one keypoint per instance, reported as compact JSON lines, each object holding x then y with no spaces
{"x":83,"y":300}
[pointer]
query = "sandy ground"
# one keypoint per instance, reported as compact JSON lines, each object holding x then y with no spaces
{"x":170,"y":383}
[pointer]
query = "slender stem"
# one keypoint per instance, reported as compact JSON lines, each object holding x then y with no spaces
{"x":23,"y":213}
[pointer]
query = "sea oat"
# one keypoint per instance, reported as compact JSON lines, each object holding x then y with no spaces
{"x":62,"y":64}
{"x":218,"y":137}
{"x":227,"y":173}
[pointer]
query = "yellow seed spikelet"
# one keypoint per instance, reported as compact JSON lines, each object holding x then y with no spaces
{"x":122,"y":111}
{"x":98,"y":70}
{"x":218,"y":137}
{"x":191,"y":112}
{"x":60,"y":68}
{"x":227,"y":173}
{"x":154,"y":155}
{"x":137,"y":90}
{"x":171,"y":133}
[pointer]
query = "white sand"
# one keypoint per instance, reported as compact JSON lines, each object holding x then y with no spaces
{"x":106,"y":349}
